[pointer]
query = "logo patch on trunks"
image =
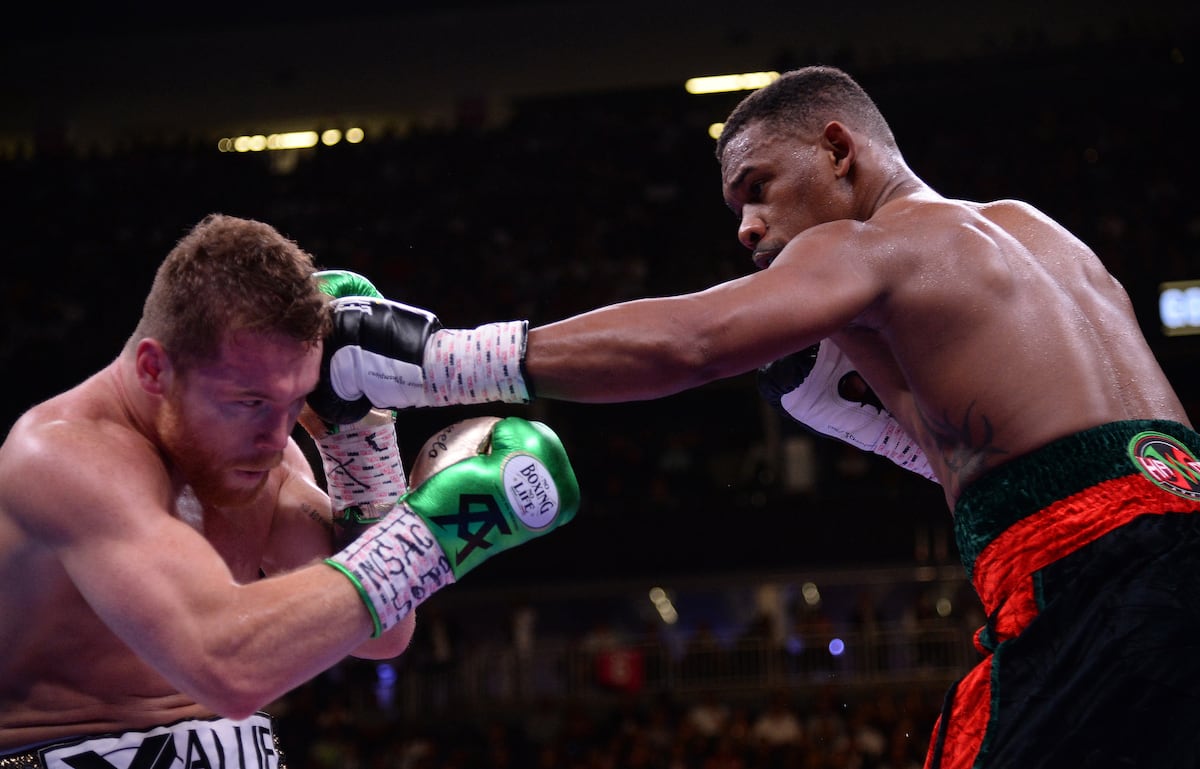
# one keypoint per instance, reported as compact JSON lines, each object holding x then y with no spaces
{"x":1167,"y":463}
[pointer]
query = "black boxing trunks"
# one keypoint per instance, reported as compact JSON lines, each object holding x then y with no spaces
{"x":216,"y":743}
{"x":1086,"y":557}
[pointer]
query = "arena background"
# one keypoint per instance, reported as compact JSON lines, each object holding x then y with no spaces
{"x":527,"y":159}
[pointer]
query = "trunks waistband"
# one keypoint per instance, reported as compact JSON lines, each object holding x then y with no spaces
{"x":1159,"y":471}
{"x":1041,"y":508}
{"x":215,"y":742}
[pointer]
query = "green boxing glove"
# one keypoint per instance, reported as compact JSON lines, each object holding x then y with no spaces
{"x":515,"y":485}
{"x":340,"y":283}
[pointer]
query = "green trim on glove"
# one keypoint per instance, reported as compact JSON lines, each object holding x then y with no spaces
{"x":376,"y":625}
{"x":340,"y":283}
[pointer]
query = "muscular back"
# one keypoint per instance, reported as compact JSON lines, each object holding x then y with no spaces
{"x":999,"y":332}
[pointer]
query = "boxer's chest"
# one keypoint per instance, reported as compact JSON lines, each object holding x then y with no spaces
{"x":239,"y":535}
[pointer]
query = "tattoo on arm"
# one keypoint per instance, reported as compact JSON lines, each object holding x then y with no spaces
{"x":316,"y":515}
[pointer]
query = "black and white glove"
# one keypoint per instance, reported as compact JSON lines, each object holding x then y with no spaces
{"x":808,"y":386}
{"x":391,"y":355}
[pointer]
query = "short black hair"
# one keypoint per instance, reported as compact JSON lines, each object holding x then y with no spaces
{"x":804,"y":101}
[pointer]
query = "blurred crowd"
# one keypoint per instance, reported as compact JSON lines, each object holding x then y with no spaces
{"x":887,"y":727}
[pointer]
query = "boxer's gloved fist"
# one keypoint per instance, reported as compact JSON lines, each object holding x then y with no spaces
{"x":514,"y":485}
{"x":811,"y":386}
{"x":393,"y":355}
{"x":339,"y":283}
{"x":373,"y":356}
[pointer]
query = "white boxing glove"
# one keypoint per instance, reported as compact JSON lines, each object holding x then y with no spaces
{"x":806,"y":386}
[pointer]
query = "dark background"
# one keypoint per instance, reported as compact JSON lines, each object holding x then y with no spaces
{"x":535,"y":160}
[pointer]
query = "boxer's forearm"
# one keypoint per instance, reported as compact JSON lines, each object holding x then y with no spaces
{"x":636,"y":350}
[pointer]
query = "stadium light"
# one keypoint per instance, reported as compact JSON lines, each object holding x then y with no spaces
{"x":291,"y":140}
{"x":746,"y":81}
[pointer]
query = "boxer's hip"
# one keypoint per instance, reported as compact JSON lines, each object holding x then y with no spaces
{"x":1043,"y":506}
{"x":1086,"y":557}
{"x":217,"y":742}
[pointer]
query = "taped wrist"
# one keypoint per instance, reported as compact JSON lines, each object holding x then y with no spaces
{"x":480,"y":365}
{"x":364,"y":473}
{"x":395,"y":566}
{"x":896,"y":445}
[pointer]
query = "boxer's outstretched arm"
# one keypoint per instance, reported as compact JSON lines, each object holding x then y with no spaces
{"x":395,"y":356}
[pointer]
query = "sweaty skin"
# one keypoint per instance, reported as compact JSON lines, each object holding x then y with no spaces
{"x":985,"y":328}
{"x":132,"y":537}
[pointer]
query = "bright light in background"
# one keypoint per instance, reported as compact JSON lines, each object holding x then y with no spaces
{"x":295,"y":140}
{"x":249,"y":143}
{"x":1179,"y":307}
{"x":836,"y":647}
{"x":746,"y":81}
{"x":664,"y":607}
{"x":385,"y":685}
{"x":291,"y":140}
{"x":812,"y":596}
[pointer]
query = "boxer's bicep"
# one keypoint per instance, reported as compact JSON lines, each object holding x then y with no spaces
{"x":144,"y":567}
{"x":302,"y":527}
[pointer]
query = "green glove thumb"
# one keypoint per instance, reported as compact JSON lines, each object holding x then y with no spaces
{"x":339,"y":283}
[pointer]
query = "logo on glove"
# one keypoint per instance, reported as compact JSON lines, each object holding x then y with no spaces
{"x":531,"y":491}
{"x":480,"y":509}
{"x":531,"y":494}
{"x":353,"y":304}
